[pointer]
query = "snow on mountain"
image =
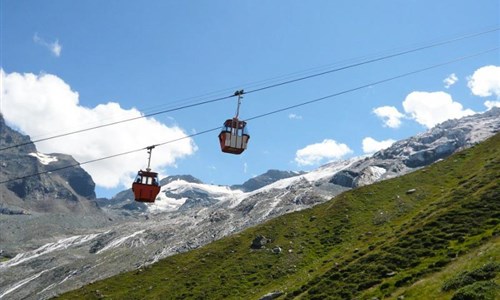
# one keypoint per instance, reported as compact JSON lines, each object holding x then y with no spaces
{"x":44,"y":159}
{"x":317,"y":177}
{"x":182,"y":194}
{"x":174,"y":194}
{"x":120,"y":241}
{"x":48,"y":248}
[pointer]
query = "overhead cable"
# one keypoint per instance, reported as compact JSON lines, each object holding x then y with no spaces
{"x":385,"y":57}
{"x":262,"y":115}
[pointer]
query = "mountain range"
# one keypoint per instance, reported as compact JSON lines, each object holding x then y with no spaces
{"x":56,"y":236}
{"x":411,"y":237}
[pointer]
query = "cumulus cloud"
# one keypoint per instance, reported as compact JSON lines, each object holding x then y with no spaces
{"x":485,"y":81}
{"x":490,"y":104}
{"x":321,"y":152}
{"x":433,"y":108}
{"x":370,"y":145}
{"x":41,"y":105}
{"x":390,"y":115}
{"x":450,"y":80}
{"x":294,"y":117}
{"x":53,"y":47}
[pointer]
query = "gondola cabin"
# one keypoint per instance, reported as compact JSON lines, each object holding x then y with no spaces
{"x":146,"y":186}
{"x":234,"y":136}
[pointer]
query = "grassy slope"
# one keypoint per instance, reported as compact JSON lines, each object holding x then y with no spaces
{"x":375,"y":241}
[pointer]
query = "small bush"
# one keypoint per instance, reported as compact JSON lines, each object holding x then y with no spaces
{"x":457,"y":281}
{"x":403,"y":281}
{"x":486,"y":272}
{"x":385,"y":285}
{"x":481,"y":290}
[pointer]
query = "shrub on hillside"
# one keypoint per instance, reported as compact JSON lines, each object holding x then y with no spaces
{"x":486,"y":272}
{"x":481,"y":290}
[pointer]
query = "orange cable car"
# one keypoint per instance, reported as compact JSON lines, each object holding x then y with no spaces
{"x":234,"y":135}
{"x":146,"y":185}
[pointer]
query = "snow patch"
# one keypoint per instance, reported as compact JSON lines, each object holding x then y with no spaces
{"x":164,"y":204}
{"x":44,"y":159}
{"x":48,"y":248}
{"x":179,"y":186}
{"x":23,"y":282}
{"x":377,"y":172}
{"x":120,"y":241}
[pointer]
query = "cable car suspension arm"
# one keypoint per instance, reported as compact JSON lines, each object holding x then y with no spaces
{"x":150,"y":149}
{"x":240,"y":96}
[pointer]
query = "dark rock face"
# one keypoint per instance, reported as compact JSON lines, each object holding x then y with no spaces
{"x":60,"y":191}
{"x":79,"y":180}
{"x":344,"y":178}
{"x":259,"y":242}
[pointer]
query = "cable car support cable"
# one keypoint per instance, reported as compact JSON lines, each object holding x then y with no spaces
{"x":263,"y":88}
{"x":261,"y":115}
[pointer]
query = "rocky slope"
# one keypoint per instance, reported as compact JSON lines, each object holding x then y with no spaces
{"x":421,"y":150}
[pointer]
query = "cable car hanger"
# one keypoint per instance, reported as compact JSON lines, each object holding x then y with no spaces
{"x":149,"y":150}
{"x":239,"y":94}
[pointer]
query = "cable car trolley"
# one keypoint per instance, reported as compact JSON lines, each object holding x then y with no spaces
{"x":234,"y":135}
{"x":146,"y":185}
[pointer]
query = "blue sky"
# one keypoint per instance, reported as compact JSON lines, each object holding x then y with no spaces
{"x":68,"y":65}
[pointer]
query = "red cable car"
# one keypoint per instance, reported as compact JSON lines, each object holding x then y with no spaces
{"x":234,"y":135}
{"x":146,"y":185}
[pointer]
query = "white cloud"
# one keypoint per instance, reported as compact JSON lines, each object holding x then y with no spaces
{"x":490,"y":104}
{"x":321,"y":152}
{"x":294,"y":117}
{"x":54,"y":47}
{"x":433,"y":108}
{"x":245,"y":167}
{"x":450,"y":80}
{"x":42,"y":105}
{"x":485,"y":81}
{"x":371,"y":145}
{"x":390,"y":115}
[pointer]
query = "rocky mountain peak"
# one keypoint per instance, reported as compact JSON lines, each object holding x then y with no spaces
{"x":421,"y":150}
{"x":267,"y":178}
{"x":187,"y":178}
{"x":66,"y":190}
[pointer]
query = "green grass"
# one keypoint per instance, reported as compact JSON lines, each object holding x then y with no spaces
{"x":374,"y":241}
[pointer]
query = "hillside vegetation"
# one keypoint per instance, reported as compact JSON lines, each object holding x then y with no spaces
{"x":432,"y":234}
